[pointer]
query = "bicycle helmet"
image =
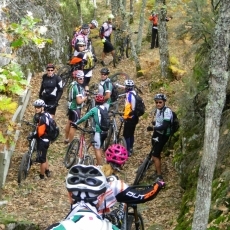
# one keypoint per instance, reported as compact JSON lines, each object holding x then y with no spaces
{"x":85,"y":26}
{"x":110,"y":16}
{"x":50,"y":65}
{"x":86,"y":182}
{"x":116,"y":153}
{"x":99,"y":99}
{"x":129,"y":83}
{"x":79,"y":74}
{"x":95,"y":23}
{"x":80,"y":42}
{"x":39,"y":103}
{"x":160,"y":96}
{"x":105,"y":71}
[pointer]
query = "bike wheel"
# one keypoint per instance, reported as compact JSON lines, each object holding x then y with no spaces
{"x":128,"y":49}
{"x":141,"y":171}
{"x":90,"y":122}
{"x":64,"y":73}
{"x":71,"y":153}
{"x":122,"y":141}
{"x":88,"y":160}
{"x":24,"y":167}
{"x":108,"y":138}
{"x":131,"y":222}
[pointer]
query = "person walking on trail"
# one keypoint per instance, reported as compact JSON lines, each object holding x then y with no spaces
{"x":129,"y":116}
{"x":154,"y":42}
{"x":91,"y":194}
{"x":99,"y":135}
{"x":51,"y":89}
{"x":105,"y":34}
{"x":40,"y":134}
{"x":105,"y":87}
{"x":85,"y":59}
{"x":161,"y":128}
{"x":76,"y":98}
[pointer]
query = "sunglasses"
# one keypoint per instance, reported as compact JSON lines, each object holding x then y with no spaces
{"x":37,"y":107}
{"x":158,"y":102}
{"x":103,"y":74}
{"x":81,"y":46}
{"x":50,"y":70}
{"x":80,"y":78}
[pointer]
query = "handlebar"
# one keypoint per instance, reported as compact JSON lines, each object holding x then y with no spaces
{"x":29,"y":123}
{"x":83,"y":130}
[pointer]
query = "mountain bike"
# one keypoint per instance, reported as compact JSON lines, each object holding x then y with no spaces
{"x":27,"y":158}
{"x":122,"y":46}
{"x":78,"y":151}
{"x":141,"y":171}
{"x":114,"y":132}
{"x":66,"y":73}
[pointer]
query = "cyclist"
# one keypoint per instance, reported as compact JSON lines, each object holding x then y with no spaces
{"x":76,"y":98}
{"x":41,"y":137}
{"x":51,"y":89}
{"x":86,"y":186}
{"x":161,"y":130}
{"x":89,"y":191}
{"x":105,"y":87}
{"x":131,"y":120}
{"x":86,"y":63}
{"x":99,"y":135}
{"x":105,"y":34}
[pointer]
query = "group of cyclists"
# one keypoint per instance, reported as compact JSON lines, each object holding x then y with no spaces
{"x":90,"y":192}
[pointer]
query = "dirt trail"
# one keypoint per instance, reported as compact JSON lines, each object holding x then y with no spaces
{"x":45,"y":202}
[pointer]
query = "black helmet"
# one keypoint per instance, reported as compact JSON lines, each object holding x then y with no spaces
{"x":85,"y":26}
{"x":105,"y":71}
{"x":50,"y":65}
{"x":160,"y":96}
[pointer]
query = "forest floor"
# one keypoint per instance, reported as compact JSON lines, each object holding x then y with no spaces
{"x":45,"y":201}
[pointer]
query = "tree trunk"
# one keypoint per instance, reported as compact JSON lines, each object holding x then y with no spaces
{"x":94,"y":8}
{"x":107,"y":3}
{"x":115,"y":7}
{"x":219,"y":74}
{"x":141,"y":25}
{"x":163,"y":40}
{"x":131,"y":7}
{"x":136,"y":59}
{"x":79,"y":14}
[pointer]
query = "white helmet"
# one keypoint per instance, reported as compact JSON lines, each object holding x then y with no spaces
{"x":110,"y":16}
{"x":129,"y":83}
{"x":95,"y":23}
{"x":160,"y":96}
{"x":80,"y":73}
{"x":80,"y":42}
{"x":39,"y":103}
{"x":86,"y":182}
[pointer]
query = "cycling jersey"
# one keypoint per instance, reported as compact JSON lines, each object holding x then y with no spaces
{"x":51,"y":88}
{"x":103,"y":88}
{"x":75,"y":90}
{"x":107,"y":29}
{"x":162,"y":124}
{"x":130,"y":103}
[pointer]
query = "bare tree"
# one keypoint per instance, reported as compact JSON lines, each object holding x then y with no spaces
{"x":79,"y":12}
{"x":94,"y":8}
{"x":218,"y":79}
{"x":131,"y":7}
{"x":141,"y":25}
{"x":163,"y":39}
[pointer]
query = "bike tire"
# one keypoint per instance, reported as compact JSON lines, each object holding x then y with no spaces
{"x":128,"y":49}
{"x":71,"y":153}
{"x":119,"y":77}
{"x":88,"y":160}
{"x":131,"y":222}
{"x":141,"y":171}
{"x":90,"y":122}
{"x":122,"y":141}
{"x":108,"y":138}
{"x":24,"y":167}
{"x":64,"y":73}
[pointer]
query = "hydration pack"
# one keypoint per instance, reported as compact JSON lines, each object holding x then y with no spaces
{"x":104,"y":124}
{"x":139,"y":106}
{"x":52,"y":129}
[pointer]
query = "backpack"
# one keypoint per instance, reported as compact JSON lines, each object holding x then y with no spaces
{"x":90,"y":61}
{"x":175,"y":124}
{"x":52,"y":129}
{"x":104,"y":124}
{"x":140,"y":105}
{"x":114,"y":92}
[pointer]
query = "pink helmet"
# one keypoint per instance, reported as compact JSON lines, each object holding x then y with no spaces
{"x":116,"y":153}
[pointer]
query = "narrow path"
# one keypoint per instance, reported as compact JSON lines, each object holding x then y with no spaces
{"x":45,"y":202}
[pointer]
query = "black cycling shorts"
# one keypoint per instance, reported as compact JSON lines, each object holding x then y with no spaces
{"x":158,"y":146}
{"x":42,"y":148}
{"x":108,"y":47}
{"x":74,"y":115}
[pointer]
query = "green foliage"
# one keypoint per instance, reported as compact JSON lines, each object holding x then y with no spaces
{"x":12,"y":80}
